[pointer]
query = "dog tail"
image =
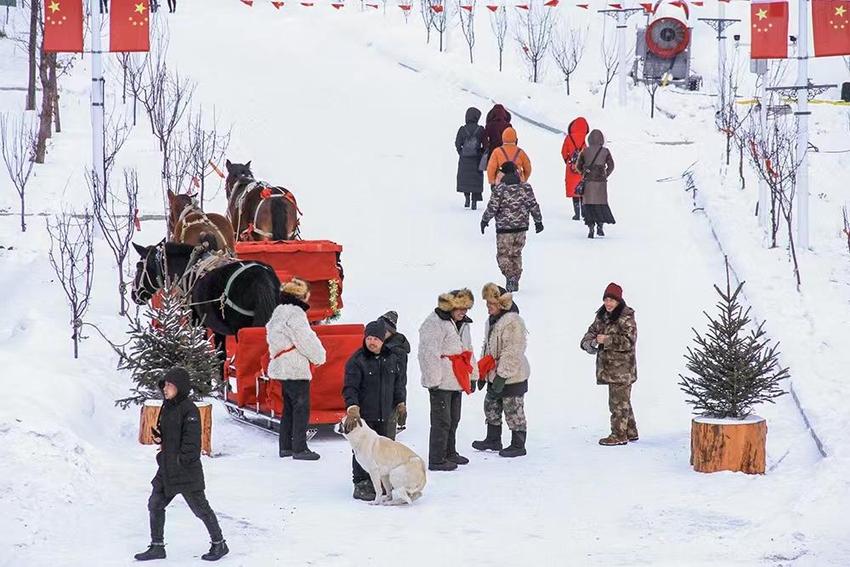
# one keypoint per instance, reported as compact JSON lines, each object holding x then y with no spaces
{"x":416,"y":491}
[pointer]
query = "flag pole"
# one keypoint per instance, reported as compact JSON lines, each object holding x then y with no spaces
{"x":97,"y":95}
{"x":802,"y":172}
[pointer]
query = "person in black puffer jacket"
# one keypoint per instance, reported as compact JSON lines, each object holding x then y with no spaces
{"x":397,"y":343}
{"x":178,"y":432}
{"x":373,"y":391}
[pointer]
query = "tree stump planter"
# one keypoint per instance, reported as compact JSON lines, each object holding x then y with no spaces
{"x":150,"y":414}
{"x":736,"y":445}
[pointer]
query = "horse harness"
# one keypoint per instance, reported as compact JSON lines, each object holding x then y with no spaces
{"x":203,"y":219}
{"x":266,"y":192}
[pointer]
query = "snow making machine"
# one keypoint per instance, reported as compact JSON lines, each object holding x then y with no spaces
{"x":663,"y":48}
{"x":250,"y":396}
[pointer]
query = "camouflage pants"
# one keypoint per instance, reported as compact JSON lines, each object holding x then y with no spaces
{"x":513,"y":408}
{"x":622,"y":417}
{"x":509,"y":253}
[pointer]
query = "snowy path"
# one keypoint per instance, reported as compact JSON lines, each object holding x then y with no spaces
{"x":367,"y":147}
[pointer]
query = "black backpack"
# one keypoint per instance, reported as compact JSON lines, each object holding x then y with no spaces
{"x":471,"y":144}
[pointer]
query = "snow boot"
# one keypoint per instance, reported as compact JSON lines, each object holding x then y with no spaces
{"x":493,"y":441}
{"x":458,"y":459}
{"x":612,"y":441}
{"x":590,"y":231}
{"x":285,"y":453}
{"x":599,"y":230}
{"x":446,"y":465}
{"x":474,"y":206}
{"x":517,"y":446}
{"x":516,"y":284}
{"x":364,"y":490}
{"x":466,"y":197}
{"x":154,"y":551}
{"x":577,"y":209}
{"x":218,"y":549}
{"x":632,"y":435}
{"x":306,"y":455}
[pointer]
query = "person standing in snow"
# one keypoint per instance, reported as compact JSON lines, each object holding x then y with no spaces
{"x":509,"y":151}
{"x":511,"y":202}
{"x":596,"y":165}
{"x":398,"y":344}
{"x":293,"y":347}
{"x":612,"y":337}
{"x":497,"y":120}
{"x":448,"y":368}
{"x":373,"y":390}
{"x":504,"y":368}
{"x":574,"y":143}
{"x":471,"y":147}
{"x":179,"y":469}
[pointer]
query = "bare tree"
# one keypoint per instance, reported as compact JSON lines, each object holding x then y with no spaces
{"x":846,"y":226}
{"x":116,"y":131}
{"x":466,"y":11}
{"x":72,"y":258}
{"x":17,"y":143}
{"x":207,"y":146}
{"x":442,"y":18}
{"x":567,"y":51}
{"x":427,"y":18}
{"x":133,"y":66}
{"x":499,"y":25}
{"x":115,"y":213}
{"x":611,"y":62}
{"x":534,"y":36}
{"x":651,"y":86}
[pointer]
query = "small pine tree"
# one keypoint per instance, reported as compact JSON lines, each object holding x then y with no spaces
{"x":163,"y":338}
{"x":732,"y":370}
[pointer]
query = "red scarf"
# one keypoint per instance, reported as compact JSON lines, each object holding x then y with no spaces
{"x":486,"y":365}
{"x":462,"y":368}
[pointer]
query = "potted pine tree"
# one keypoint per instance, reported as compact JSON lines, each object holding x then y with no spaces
{"x":732,"y":368}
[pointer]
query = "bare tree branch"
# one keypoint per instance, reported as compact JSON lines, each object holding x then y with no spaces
{"x":17,"y":144}
{"x":534,"y":36}
{"x":466,"y":11}
{"x":610,"y":61}
{"x":499,"y":25}
{"x":567,"y":51}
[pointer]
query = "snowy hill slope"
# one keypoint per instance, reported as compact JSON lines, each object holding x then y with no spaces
{"x":321,"y":105}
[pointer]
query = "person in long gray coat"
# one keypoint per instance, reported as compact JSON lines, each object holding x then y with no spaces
{"x":470,"y":144}
{"x":596,"y":165}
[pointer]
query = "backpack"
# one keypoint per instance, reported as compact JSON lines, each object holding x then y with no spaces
{"x":513,"y":160}
{"x":471,"y":144}
{"x":573,"y":161}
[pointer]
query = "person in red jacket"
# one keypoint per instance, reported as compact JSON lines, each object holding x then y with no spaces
{"x":574,"y":143}
{"x":497,"y":120}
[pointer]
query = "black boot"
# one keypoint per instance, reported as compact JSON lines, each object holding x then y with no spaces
{"x":517,"y":446}
{"x":466,"y":197}
{"x":446,"y":465}
{"x":305,"y":455}
{"x":458,"y":459}
{"x":474,"y":204}
{"x":590,"y":231}
{"x":218,"y":549}
{"x":493,"y":441}
{"x":155,"y":551}
{"x":599,"y":230}
{"x":576,"y":208}
{"x":364,"y":490}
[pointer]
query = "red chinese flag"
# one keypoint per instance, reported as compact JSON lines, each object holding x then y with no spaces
{"x":831,"y":27}
{"x":63,"y":25}
{"x":551,"y":3}
{"x":129,"y":25}
{"x":492,"y":7}
{"x":769,"y":29}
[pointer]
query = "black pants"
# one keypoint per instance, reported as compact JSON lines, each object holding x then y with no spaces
{"x":172,"y":5}
{"x":445,"y":415}
{"x":358,"y":473}
{"x":296,"y":414}
{"x":198,"y":504}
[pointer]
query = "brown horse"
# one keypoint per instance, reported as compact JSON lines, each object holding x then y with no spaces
{"x":258,"y":210}
{"x":188,"y":224}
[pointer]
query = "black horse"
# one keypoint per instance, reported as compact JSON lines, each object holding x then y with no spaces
{"x":225,"y":299}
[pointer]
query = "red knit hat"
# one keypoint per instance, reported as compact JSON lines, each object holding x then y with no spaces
{"x":613,"y":291}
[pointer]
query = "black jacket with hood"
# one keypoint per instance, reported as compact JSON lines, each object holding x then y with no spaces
{"x":179,"y":422}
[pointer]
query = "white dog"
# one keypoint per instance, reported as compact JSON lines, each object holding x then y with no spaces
{"x":388,"y":462}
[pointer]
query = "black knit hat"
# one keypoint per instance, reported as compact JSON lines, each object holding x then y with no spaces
{"x":376,"y":329}
{"x":508,"y":167}
{"x":390,"y":319}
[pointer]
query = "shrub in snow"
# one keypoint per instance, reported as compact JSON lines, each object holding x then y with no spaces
{"x":731,"y":369}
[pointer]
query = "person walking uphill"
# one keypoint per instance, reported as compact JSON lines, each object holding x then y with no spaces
{"x":574,"y":143}
{"x":612,"y":337}
{"x":448,"y":369}
{"x":497,"y":120}
{"x":505,"y":369}
{"x":373,"y":390}
{"x":596,"y":165}
{"x":471,"y":146}
{"x":510,"y":204}
{"x":293,"y":347}
{"x":179,"y":469}
{"x":509,"y":151}
{"x":398,"y":344}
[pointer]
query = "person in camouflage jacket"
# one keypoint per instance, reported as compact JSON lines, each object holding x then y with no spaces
{"x":511,"y":202}
{"x":612,"y":337}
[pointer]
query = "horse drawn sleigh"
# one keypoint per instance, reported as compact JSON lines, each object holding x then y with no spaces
{"x":230,"y":269}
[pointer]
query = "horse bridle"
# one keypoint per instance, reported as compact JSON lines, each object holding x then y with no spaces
{"x":147,"y":284}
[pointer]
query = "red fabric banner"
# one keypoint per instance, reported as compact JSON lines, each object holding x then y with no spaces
{"x":63,"y":26}
{"x":129,"y":25}
{"x":522,"y":6}
{"x":831,"y":27}
{"x":405,"y":7}
{"x":492,"y":7}
{"x":437,"y":8}
{"x":769,"y":27}
{"x":248,"y":3}
{"x":647,"y":6}
{"x":583,"y":6}
{"x":277,"y":5}
{"x":466,"y":7}
{"x":551,"y":3}
{"x":338,"y":5}
{"x":616,"y":6}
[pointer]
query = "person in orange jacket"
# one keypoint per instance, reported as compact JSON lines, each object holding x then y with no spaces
{"x":508,"y":151}
{"x":574,"y":143}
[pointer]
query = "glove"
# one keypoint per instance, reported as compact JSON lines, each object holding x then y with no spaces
{"x":352,"y":419}
{"x":499,"y":384}
{"x":401,"y":414}
{"x":538,"y":227}
{"x":482,"y":383}
{"x":483,"y":226}
{"x":472,"y":384}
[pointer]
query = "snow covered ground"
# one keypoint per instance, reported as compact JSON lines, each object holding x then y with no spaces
{"x":320,"y":104}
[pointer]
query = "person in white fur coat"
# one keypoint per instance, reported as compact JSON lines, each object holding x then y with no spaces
{"x":293,"y":347}
{"x":448,"y":368}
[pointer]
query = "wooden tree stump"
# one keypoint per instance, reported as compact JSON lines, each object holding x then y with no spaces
{"x":150,"y":415}
{"x":728,"y":444}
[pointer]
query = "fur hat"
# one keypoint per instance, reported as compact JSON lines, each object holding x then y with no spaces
{"x":613,"y":291}
{"x":296,"y":287}
{"x":500,"y":295}
{"x":376,"y":329}
{"x":455,"y":299}
{"x":390,"y":319}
